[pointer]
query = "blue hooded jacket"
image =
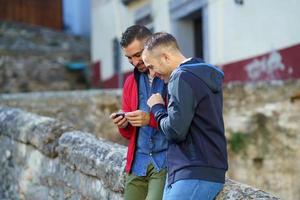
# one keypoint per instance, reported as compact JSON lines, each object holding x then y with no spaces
{"x":193,"y":123}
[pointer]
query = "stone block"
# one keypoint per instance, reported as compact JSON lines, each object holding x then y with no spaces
{"x":28,"y":128}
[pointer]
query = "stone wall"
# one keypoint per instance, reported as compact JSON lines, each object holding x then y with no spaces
{"x":34,"y":59}
{"x":43,"y":157}
{"x":85,"y":110}
{"x":262,"y":127}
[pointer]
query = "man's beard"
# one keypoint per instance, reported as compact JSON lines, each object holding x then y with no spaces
{"x":141,"y":67}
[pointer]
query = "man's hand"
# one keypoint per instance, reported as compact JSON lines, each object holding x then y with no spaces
{"x":120,"y":121}
{"x":155,"y":99}
{"x":138,"y":118}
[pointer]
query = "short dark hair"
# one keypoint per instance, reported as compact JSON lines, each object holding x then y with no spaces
{"x":161,"y":39}
{"x":134,"y":32}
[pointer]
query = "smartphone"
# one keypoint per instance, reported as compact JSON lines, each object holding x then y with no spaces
{"x":120,"y":114}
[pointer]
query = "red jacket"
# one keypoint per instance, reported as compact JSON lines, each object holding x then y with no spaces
{"x":130,"y":103}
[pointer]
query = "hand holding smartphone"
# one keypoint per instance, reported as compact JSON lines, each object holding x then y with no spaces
{"x":120,"y":114}
{"x":121,"y":122}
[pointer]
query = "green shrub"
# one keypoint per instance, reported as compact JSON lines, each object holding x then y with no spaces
{"x":238,"y":142}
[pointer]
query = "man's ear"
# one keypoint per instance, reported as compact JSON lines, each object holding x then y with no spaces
{"x":165,"y":57}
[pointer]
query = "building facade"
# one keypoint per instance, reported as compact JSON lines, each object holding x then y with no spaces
{"x":251,"y":40}
{"x":77,"y":17}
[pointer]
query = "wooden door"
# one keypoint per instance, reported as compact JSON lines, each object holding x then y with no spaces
{"x":47,"y":13}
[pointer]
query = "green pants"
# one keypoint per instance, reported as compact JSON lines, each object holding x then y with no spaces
{"x":149,"y":187}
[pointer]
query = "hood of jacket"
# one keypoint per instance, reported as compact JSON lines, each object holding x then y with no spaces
{"x":209,"y":74}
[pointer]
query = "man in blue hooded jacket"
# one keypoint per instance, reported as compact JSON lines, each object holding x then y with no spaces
{"x":193,"y":121}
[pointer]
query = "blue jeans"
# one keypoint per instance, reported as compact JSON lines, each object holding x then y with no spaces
{"x":192,"y":189}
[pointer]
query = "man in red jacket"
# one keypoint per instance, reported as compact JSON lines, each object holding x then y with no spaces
{"x":146,"y":156}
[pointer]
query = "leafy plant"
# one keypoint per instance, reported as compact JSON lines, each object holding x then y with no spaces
{"x":238,"y":142}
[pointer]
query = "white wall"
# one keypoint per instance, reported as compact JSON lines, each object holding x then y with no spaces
{"x":258,"y":26}
{"x":161,"y":15}
{"x":110,"y":19}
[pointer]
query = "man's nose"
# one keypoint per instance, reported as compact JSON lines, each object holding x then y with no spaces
{"x":135,"y":61}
